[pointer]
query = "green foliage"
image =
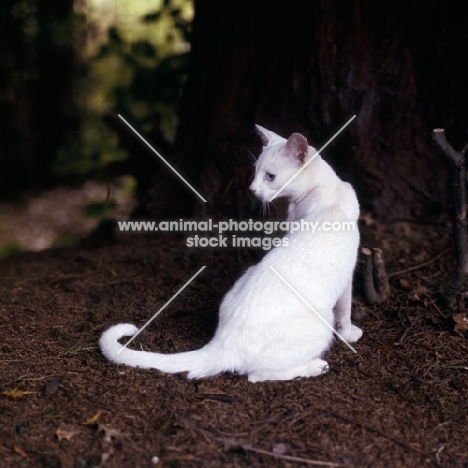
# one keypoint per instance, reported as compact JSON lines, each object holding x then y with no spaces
{"x":99,"y":210}
{"x":136,"y":67}
{"x":153,"y":66}
{"x":127,"y":57}
{"x":67,"y":239}
{"x":9,"y":249}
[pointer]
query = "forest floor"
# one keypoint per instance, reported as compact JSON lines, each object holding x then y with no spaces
{"x":400,"y":401}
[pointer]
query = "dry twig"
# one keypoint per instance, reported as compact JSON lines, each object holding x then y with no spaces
{"x":420,"y":265}
{"x":378,"y":432}
{"x":456,"y":160}
{"x":236,"y":444}
{"x":376,"y":285}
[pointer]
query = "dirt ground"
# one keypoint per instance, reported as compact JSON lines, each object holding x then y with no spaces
{"x":400,"y":401}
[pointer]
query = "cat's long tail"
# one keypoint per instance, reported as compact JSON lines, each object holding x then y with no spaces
{"x":200,"y":363}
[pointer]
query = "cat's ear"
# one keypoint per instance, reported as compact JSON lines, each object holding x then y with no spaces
{"x":297,"y":148}
{"x":268,"y":137}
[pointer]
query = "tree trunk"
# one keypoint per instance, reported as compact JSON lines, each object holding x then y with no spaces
{"x":54,"y":111}
{"x":308,"y":67}
{"x":36,"y":90}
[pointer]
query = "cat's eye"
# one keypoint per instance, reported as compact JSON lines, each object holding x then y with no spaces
{"x":270,"y":177}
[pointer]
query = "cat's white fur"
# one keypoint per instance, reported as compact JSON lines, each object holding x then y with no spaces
{"x":265,"y":330}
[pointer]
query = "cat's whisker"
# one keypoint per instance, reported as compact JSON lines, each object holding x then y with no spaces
{"x":261,"y":211}
{"x":265,"y":209}
{"x":276,"y":208}
{"x":253,"y":159}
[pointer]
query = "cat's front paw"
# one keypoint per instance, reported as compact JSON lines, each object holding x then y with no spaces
{"x":352,"y":334}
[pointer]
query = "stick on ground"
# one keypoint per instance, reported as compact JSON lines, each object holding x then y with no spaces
{"x":376,"y":285}
{"x":456,"y":160}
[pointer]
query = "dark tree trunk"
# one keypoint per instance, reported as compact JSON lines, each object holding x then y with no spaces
{"x":36,"y":90}
{"x":308,"y":66}
{"x":15,"y":72}
{"x":54,"y":111}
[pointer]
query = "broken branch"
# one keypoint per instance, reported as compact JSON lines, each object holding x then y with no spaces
{"x":376,"y":285}
{"x":456,"y":160}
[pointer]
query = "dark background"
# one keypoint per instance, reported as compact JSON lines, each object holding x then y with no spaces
{"x":304,"y":66}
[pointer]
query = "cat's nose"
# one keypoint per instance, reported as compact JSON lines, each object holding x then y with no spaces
{"x":253,"y":190}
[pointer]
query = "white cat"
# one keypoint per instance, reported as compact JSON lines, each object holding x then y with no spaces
{"x":265,"y":330}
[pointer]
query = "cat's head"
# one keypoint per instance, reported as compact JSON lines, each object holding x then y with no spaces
{"x":279,"y":161}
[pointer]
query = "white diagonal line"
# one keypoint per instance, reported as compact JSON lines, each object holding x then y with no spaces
{"x":312,"y":309}
{"x":161,"y":309}
{"x":312,"y":158}
{"x":162,"y":159}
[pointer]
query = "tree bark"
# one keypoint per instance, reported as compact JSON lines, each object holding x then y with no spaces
{"x":456,"y":161}
{"x":36,"y":90}
{"x":307,"y":68}
{"x":376,"y":286}
{"x":53,"y":103}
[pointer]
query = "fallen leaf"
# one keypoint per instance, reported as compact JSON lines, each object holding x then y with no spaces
{"x":20,"y":451}
{"x":461,"y":322}
{"x":16,"y":394}
{"x":104,"y":458}
{"x":418,"y":293}
{"x":109,"y":432}
{"x":405,"y":283}
{"x":232,"y":444}
{"x":52,"y":387}
{"x":93,"y":420}
{"x":112,"y":272}
{"x":367,"y":219}
{"x":109,"y":439}
{"x":64,"y":434}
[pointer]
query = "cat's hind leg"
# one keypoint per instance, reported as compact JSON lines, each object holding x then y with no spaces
{"x":312,"y":368}
{"x":342,"y":311}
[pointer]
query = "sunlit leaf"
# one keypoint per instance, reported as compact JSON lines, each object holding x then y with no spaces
{"x":93,"y":420}
{"x":20,"y":451}
{"x":16,"y":394}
